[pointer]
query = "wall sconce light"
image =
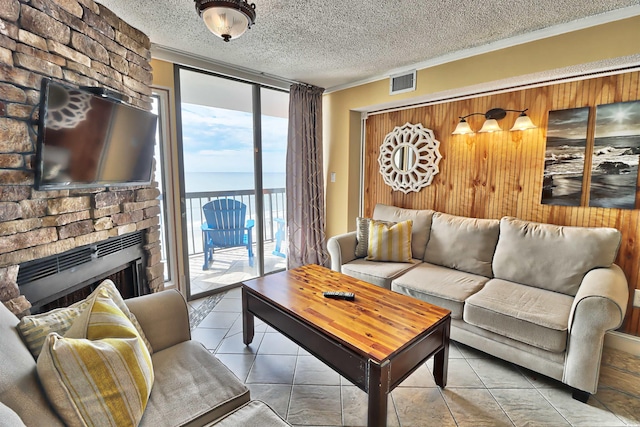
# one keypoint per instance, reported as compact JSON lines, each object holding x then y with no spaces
{"x":523,"y":122}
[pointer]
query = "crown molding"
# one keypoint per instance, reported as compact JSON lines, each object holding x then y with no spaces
{"x":196,"y":61}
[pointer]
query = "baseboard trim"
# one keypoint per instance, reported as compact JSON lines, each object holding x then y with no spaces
{"x":623,"y":342}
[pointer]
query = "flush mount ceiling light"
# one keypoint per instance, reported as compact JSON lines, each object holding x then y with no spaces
{"x":523,"y":122}
{"x":227,"y":19}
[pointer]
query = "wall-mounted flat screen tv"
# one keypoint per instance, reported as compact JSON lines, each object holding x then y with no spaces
{"x":86,"y":140}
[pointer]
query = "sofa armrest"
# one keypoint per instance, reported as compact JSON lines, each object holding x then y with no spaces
{"x":599,"y":306}
{"x":342,"y":249}
{"x":163,"y":316}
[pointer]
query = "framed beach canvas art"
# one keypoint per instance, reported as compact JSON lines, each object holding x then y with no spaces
{"x":616,"y":151}
{"x":564,"y":156}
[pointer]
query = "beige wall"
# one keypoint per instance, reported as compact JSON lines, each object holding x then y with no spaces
{"x":342,"y":124}
{"x":162,"y":73}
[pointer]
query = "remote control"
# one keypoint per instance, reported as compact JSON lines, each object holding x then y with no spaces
{"x":349,"y":296}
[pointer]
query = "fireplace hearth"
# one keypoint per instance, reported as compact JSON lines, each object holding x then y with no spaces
{"x":62,"y":279}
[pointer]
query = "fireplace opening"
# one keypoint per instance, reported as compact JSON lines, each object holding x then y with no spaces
{"x":61,"y":280}
{"x":124,"y":280}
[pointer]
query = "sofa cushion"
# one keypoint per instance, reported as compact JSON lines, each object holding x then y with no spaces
{"x":389,"y":242}
{"x":101,"y":371}
{"x":421,"y":224}
{"x":465,"y":244}
{"x":498,"y":345}
{"x":35,"y":328}
{"x":362,"y":237}
{"x":550,"y":256}
{"x":377,"y":273}
{"x":182,"y":395}
{"x":253,"y":414}
{"x":440,"y":286}
{"x":19,"y":386}
{"x":9,"y":418}
{"x":524,"y":313}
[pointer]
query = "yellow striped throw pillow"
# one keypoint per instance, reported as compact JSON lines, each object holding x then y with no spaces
{"x":100,"y":372}
{"x":389,"y":241}
{"x":35,"y":328}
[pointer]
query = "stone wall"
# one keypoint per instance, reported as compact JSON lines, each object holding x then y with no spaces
{"x":77,"y":42}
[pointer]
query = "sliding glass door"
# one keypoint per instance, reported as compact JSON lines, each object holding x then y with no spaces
{"x":274,"y":106}
{"x":232,"y":138}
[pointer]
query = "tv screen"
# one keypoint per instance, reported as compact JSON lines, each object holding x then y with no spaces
{"x":86,"y":140}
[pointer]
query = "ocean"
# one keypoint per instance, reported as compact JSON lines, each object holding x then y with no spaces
{"x":226,"y":181}
{"x":614,"y":172}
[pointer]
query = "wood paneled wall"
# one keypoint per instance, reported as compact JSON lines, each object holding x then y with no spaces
{"x":492,"y":175}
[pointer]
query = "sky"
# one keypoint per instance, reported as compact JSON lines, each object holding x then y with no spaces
{"x":570,"y":123}
{"x":221,"y":140}
{"x":619,"y":119}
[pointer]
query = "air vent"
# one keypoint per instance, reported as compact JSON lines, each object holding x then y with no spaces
{"x":34,"y":271}
{"x":73,"y":259}
{"x":46,"y":267}
{"x":112,"y":246}
{"x":405,"y":82}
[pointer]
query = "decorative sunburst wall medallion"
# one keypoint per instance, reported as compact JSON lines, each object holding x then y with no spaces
{"x":409,"y":158}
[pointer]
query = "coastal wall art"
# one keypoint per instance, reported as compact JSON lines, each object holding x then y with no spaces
{"x":616,"y":151}
{"x":565,"y":156}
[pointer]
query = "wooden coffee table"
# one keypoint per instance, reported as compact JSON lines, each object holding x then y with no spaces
{"x":375,"y":342}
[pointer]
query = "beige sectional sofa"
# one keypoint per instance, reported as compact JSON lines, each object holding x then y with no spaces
{"x":538,"y":295}
{"x":191,"y":386}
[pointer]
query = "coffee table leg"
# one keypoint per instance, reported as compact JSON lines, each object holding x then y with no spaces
{"x":247,"y":321}
{"x":378,"y":390}
{"x":441,"y":358}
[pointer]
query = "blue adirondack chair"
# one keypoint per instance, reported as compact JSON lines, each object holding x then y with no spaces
{"x":226,"y":228}
{"x":279,"y":238}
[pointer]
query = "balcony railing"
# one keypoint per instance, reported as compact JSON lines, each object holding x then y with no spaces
{"x":274,"y":208}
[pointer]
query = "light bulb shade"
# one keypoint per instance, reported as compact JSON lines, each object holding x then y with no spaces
{"x":523,"y":123}
{"x":463,"y":128}
{"x":227,"y":19}
{"x":490,"y":125}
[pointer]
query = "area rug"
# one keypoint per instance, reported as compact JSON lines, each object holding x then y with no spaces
{"x":197,"y":315}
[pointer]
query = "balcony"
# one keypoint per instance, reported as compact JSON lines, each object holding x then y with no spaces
{"x":231,"y":265}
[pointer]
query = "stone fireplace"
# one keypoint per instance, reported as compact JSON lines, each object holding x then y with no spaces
{"x":81,"y":43}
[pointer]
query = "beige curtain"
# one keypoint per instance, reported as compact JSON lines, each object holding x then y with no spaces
{"x":305,"y":181}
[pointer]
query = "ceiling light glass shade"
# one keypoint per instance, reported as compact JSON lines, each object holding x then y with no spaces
{"x":227,"y":19}
{"x":463,"y":128}
{"x":490,"y":125}
{"x":523,"y":123}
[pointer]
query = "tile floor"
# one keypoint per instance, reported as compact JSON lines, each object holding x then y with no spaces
{"x":481,"y":390}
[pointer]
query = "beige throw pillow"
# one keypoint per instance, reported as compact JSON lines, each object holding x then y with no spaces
{"x":390,"y":241}
{"x":461,"y":243}
{"x":552,"y":257}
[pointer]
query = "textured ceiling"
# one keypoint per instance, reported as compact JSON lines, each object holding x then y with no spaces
{"x":333,"y":42}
